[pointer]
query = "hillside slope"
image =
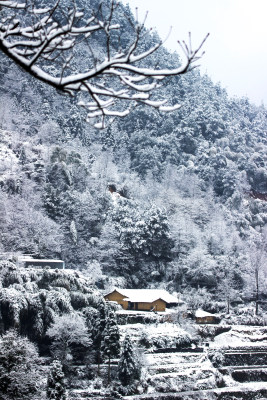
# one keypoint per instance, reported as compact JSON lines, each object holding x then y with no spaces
{"x":188,"y":208}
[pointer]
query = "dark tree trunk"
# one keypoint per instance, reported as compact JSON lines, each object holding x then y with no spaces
{"x":109,"y":370}
{"x":257,"y":292}
{"x":98,"y":362}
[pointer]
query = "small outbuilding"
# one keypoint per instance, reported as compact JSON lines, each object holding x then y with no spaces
{"x":203,"y":317}
{"x":142,"y":299}
{"x":42,"y":263}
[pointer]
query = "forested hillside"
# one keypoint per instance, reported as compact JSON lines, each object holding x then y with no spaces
{"x":173,"y":200}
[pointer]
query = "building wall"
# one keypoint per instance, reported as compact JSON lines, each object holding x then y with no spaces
{"x":44,"y":263}
{"x":157,"y":305}
{"x":144,"y":306}
{"x":115,"y":296}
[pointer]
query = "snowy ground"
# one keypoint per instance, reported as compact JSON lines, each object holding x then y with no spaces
{"x":179,"y":372}
{"x":175,"y":371}
{"x":156,"y":336}
{"x":186,"y":375}
{"x":240,"y":336}
{"x":249,"y":391}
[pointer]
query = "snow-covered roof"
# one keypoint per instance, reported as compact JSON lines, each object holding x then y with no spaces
{"x":202,"y":314}
{"x":146,"y":295}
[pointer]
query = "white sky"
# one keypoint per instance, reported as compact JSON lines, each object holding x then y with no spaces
{"x":236,"y":51}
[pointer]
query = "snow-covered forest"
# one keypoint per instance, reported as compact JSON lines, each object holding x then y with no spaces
{"x":154,"y":200}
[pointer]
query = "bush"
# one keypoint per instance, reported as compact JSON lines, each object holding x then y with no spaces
{"x":210,"y":331}
{"x":146,"y":318}
{"x":165,"y":336}
{"x":217,"y":358}
{"x":19,"y":367}
{"x":246,"y":316}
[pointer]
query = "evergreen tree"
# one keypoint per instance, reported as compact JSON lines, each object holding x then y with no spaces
{"x":158,"y":241}
{"x":111,"y":340}
{"x":96,"y":322}
{"x":55,"y":382}
{"x":128,"y":368}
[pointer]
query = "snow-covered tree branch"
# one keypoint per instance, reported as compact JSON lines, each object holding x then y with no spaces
{"x":45,"y":42}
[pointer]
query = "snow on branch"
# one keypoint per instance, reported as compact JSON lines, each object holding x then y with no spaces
{"x":45,"y":41}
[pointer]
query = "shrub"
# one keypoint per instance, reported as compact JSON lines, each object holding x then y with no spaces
{"x":19,"y":367}
{"x":217,"y":358}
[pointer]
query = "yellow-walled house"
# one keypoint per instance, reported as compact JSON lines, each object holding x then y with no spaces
{"x":142,"y":299}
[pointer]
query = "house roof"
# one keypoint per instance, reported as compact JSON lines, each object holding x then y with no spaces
{"x":146,"y":295}
{"x":202,"y":314}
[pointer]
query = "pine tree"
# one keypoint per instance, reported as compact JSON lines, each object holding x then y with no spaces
{"x":111,"y":340}
{"x":55,"y":382}
{"x":100,"y":329}
{"x":96,"y":322}
{"x":158,"y":240}
{"x":128,"y":368}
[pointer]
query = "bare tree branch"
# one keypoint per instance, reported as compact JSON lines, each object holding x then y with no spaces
{"x":44,"y":42}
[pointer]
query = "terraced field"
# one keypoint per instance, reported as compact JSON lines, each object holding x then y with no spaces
{"x":190,"y":375}
{"x":174,"y":374}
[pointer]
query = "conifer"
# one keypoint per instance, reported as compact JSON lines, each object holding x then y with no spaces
{"x":55,"y":382}
{"x":128,"y":368}
{"x":111,"y":340}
